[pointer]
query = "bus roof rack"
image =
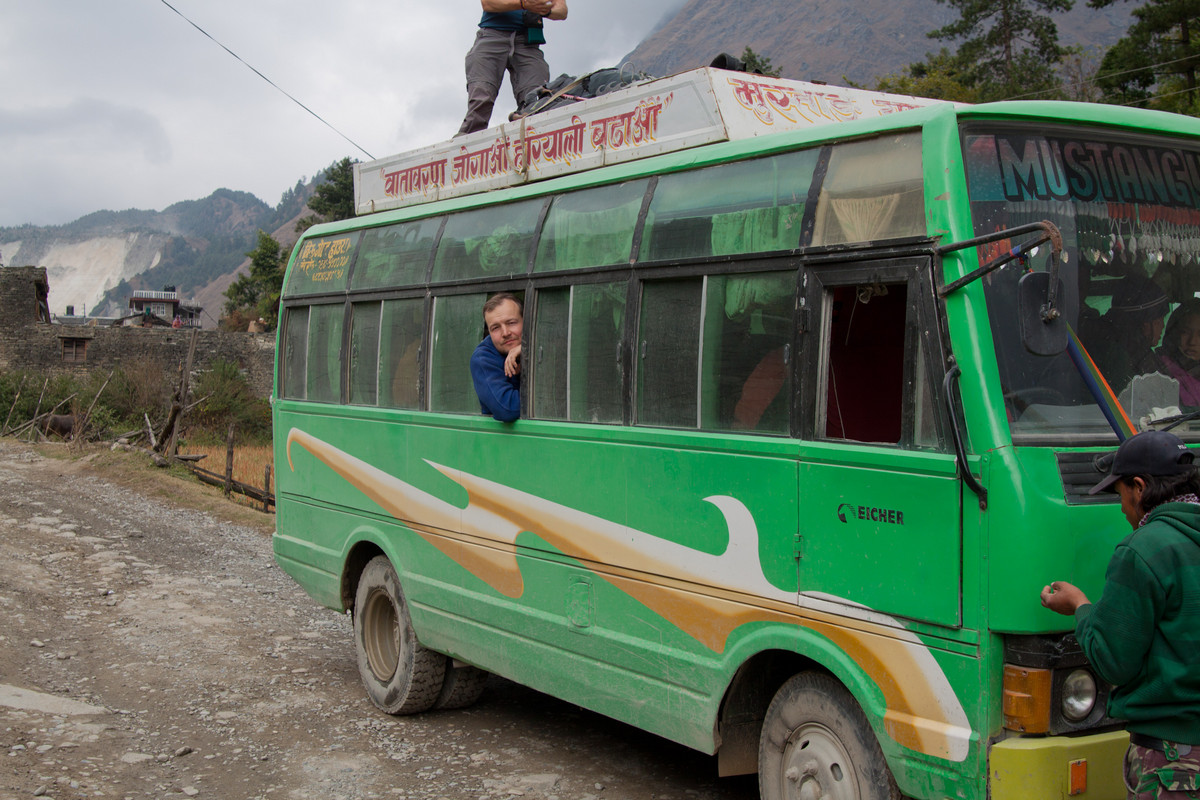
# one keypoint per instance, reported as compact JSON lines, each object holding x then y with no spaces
{"x":659,"y":115}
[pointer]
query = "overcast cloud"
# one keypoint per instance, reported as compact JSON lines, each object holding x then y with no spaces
{"x":123,"y":104}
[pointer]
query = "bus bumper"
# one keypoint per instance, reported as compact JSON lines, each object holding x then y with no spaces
{"x":1084,"y":767}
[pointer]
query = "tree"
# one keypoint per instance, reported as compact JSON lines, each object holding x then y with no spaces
{"x":258,"y":291}
{"x":1155,"y":63}
{"x":758,"y":63}
{"x":334,"y":197}
{"x":942,"y":76}
{"x":1079,"y":69}
{"x":1012,"y":45}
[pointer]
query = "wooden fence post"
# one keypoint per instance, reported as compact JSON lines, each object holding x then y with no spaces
{"x":229,"y":462}
{"x":266,"y":488}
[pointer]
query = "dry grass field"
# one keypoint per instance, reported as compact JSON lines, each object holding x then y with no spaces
{"x":249,"y":464}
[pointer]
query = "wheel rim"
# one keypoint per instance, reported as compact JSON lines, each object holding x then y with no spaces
{"x":381,"y":636}
{"x":816,"y":766}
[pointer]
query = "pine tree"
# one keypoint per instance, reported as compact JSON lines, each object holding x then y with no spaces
{"x":1155,"y":64}
{"x":758,"y":63}
{"x":1012,"y":45}
{"x":258,"y":292}
{"x":334,"y":197}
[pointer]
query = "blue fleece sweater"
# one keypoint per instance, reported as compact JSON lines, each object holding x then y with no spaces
{"x":499,"y":395}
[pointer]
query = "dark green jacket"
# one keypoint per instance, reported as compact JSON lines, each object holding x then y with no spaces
{"x":1143,"y":635}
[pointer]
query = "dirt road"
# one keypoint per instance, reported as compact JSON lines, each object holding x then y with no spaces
{"x":150,"y":648}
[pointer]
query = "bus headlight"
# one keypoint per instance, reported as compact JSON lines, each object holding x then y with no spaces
{"x":1078,"y":695}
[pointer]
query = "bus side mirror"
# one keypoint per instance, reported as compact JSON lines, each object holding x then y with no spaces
{"x":1043,"y":330}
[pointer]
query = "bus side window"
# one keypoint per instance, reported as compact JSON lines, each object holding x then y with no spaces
{"x":324,"y":383}
{"x":295,"y":352}
{"x":746,"y":368}
{"x":668,"y":353}
{"x":490,"y":241}
{"x":550,"y":367}
{"x":864,"y":393}
{"x":399,"y":353}
{"x":364,"y":353}
{"x":395,"y":255}
{"x":457,"y":329}
{"x":576,"y":351}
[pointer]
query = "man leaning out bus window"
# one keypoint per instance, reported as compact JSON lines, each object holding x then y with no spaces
{"x":1143,"y":634}
{"x":496,"y":362}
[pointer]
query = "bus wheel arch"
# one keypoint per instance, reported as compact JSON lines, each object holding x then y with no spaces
{"x":352,"y":568}
{"x":817,"y":739}
{"x":744,"y":707}
{"x":401,"y":675}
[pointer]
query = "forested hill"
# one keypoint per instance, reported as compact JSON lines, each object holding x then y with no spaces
{"x":832,"y":40}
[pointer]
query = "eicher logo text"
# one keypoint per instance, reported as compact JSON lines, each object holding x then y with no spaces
{"x":851,"y":511}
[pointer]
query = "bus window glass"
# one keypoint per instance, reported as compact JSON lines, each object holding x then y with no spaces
{"x":364,"y":353}
{"x":324,"y":353}
{"x":925,"y":430}
{"x":745,"y":207}
{"x":1128,"y":208}
{"x":873,"y":190}
{"x":551,"y":344}
{"x":487,"y":242}
{"x":746,"y":365}
{"x":321,"y":265}
{"x":295,"y":351}
{"x":668,"y":353}
{"x":864,"y":354}
{"x":399,"y":353}
{"x":597,"y":323}
{"x":395,"y":255}
{"x":591,"y":228}
{"x":457,"y":330}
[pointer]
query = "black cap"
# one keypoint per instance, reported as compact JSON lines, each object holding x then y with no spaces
{"x":1139,"y":299}
{"x":1156,"y":453}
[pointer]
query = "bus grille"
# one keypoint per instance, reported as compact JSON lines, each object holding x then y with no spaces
{"x":1079,"y":473}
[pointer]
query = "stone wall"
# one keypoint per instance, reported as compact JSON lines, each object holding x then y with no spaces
{"x":26,"y":343}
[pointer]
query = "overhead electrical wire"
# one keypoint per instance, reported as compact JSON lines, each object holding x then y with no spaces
{"x":1113,"y":75}
{"x":268,"y":80}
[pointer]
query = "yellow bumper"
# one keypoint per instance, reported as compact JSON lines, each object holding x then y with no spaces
{"x":1083,"y":767}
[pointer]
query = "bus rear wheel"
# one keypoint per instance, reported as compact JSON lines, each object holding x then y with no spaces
{"x":400,"y":674}
{"x":816,"y":744}
{"x":462,"y":687}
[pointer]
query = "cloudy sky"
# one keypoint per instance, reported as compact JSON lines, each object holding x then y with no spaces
{"x":115,"y":104}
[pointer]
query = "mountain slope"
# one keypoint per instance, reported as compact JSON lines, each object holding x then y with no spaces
{"x":830,"y":40}
{"x":95,"y":262}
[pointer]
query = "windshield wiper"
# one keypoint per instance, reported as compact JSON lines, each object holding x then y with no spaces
{"x":1175,"y":420}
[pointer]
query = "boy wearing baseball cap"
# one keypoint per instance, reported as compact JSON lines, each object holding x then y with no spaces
{"x":1143,"y":634}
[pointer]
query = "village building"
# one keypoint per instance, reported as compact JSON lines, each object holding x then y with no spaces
{"x":165,"y":306}
{"x":32,"y":339}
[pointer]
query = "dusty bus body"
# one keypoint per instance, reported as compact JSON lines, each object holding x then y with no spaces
{"x":798,"y":445}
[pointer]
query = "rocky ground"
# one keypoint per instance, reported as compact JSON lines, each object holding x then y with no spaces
{"x":150,"y":648}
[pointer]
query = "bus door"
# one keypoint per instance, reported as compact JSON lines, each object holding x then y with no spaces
{"x":880,"y":500}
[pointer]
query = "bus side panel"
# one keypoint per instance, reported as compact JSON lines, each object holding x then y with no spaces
{"x":630,"y":611}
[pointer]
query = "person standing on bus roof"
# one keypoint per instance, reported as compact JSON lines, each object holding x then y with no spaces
{"x":496,"y":362}
{"x":509,"y":38}
{"x":1143,"y":634}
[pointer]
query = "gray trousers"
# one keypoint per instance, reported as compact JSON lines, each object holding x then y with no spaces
{"x":493,"y":53}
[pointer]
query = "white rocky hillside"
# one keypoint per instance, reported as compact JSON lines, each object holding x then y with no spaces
{"x":81,"y":272}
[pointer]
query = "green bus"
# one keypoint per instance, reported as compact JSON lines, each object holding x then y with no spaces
{"x":808,"y":419}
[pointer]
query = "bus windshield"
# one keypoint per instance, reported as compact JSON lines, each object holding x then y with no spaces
{"x":1129,"y":210}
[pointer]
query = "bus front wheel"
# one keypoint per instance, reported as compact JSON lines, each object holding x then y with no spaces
{"x":816,"y":743}
{"x":400,"y":674}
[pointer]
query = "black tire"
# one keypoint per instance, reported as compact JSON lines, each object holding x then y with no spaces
{"x":400,"y":674}
{"x":461,"y":687}
{"x":816,"y":743}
